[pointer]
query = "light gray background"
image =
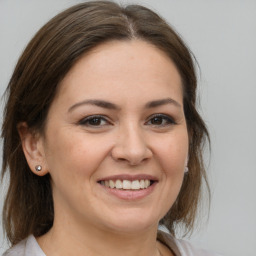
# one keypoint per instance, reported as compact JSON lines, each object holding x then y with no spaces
{"x":222,"y":35}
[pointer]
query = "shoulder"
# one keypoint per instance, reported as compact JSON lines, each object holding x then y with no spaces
{"x":26,"y":247}
{"x":182,"y":247}
{"x":18,"y":249}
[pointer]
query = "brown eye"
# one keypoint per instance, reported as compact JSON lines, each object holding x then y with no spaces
{"x":157,"y":120}
{"x":94,"y":121}
{"x":160,"y":120}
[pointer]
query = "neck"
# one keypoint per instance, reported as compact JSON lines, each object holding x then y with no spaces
{"x":70,"y":239}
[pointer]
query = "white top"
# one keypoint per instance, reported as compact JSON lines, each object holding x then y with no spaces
{"x":186,"y":249}
{"x":27,"y":247}
{"x":30,"y":247}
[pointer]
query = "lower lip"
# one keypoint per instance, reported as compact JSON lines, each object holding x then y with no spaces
{"x":130,"y":194}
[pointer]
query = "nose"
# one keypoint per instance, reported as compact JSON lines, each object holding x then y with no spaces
{"x":131,"y":146}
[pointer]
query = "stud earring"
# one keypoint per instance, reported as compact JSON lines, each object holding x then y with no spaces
{"x":38,"y":168}
{"x":186,"y":167}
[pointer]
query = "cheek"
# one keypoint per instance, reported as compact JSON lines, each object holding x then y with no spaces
{"x":172,"y":152}
{"x":74,"y":155}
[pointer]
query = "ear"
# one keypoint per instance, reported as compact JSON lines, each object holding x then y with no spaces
{"x":33,"y":148}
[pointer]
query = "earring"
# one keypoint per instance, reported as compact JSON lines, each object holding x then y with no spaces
{"x":38,"y":168}
{"x":186,"y":167}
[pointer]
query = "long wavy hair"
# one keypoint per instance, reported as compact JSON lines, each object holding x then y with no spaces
{"x":57,"y":46}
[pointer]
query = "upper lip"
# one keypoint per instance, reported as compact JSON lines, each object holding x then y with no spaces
{"x":129,"y":177}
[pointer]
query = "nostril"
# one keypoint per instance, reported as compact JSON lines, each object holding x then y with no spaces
{"x":131,"y":153}
{"x":122,"y":159}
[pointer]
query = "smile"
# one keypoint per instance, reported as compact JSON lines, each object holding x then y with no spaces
{"x":127,"y":184}
{"x":129,"y":187}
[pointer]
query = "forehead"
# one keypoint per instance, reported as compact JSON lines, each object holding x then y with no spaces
{"x":122,"y":67}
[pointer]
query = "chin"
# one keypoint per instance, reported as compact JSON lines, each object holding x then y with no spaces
{"x":131,"y":228}
{"x":131,"y":223}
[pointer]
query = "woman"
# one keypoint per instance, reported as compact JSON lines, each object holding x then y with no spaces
{"x":102,"y":138}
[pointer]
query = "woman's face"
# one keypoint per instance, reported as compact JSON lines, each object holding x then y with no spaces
{"x":116,"y":140}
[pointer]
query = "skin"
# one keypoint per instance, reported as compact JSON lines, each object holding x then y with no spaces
{"x":127,"y":140}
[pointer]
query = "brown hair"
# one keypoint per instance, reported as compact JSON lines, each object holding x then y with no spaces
{"x":57,"y":46}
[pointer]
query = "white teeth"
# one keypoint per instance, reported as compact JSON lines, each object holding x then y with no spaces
{"x":126,"y":184}
{"x":135,"y":184}
{"x":119,"y":184}
{"x":142,"y":184}
{"x":111,"y":184}
{"x":147,"y":183}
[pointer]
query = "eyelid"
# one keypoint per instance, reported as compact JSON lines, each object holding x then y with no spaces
{"x":170,"y":119}
{"x":91,"y":117}
{"x":85,"y":121}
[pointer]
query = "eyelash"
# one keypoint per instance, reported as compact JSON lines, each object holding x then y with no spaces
{"x":99,"y":118}
{"x":169,"y":120}
{"x":85,"y":121}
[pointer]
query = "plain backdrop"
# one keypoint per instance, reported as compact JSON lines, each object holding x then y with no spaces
{"x":222,"y":35}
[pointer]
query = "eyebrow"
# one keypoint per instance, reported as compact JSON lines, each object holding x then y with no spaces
{"x":157,"y":103}
{"x":99,"y":103}
{"x":109,"y":105}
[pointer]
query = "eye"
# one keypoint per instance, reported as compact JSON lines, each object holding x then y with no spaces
{"x":94,"y":121}
{"x":160,"y":120}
